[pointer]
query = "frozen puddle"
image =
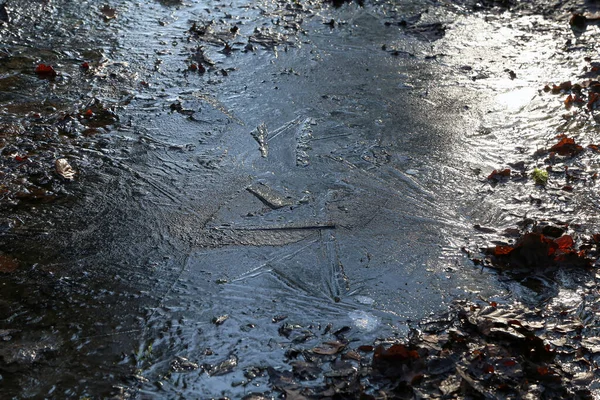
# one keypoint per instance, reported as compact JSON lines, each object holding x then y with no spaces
{"x":364,"y":321}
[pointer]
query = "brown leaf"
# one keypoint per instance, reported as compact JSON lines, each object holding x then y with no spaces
{"x":8,"y":264}
{"x":594,"y":97}
{"x":497,"y":175}
{"x":352,"y":355}
{"x":566,"y":147}
{"x":329,"y":348}
{"x":108,"y":12}
{"x":397,"y":352}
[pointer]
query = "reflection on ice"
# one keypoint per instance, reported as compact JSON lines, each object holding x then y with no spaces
{"x":515,"y":100}
{"x":363,"y":320}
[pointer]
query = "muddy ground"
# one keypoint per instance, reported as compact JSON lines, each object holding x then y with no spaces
{"x":303,"y":199}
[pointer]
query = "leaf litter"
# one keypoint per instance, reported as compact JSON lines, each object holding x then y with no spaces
{"x":480,"y":350}
{"x":486,"y":349}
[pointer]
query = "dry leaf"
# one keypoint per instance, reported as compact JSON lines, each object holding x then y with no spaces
{"x":108,"y":12}
{"x":329,"y":348}
{"x":8,"y":264}
{"x":64,"y":169}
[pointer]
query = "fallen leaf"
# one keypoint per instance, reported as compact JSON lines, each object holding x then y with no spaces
{"x":219,"y":320}
{"x":594,"y":97}
{"x":64,"y":169}
{"x":397,"y":352}
{"x":8,"y":264}
{"x":224,"y":367}
{"x":351,"y":355}
{"x":567,"y":147}
{"x":108,"y":12}
{"x":540,"y":176}
{"x":566,"y":86}
{"x":543,"y":370}
{"x":45,"y":71}
{"x":565,"y":242}
{"x":594,"y":147}
{"x":592,"y":344}
{"x":569,"y":101}
{"x":497,"y":175}
{"x":502,"y":250}
{"x":329,"y":348}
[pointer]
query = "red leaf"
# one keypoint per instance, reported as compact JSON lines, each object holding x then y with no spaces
{"x":397,"y":353}
{"x":502,"y":250}
{"x":566,"y":86}
{"x":569,"y":101}
{"x":85,"y":65}
{"x":565,"y":242}
{"x":44,"y":70}
{"x":414,"y":354}
{"x":497,"y":175}
{"x":594,"y":147}
{"x":543,"y":370}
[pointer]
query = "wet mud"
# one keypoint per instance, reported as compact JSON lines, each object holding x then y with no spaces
{"x":209,"y":200}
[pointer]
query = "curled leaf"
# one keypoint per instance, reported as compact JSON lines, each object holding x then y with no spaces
{"x":540,"y":176}
{"x":329,"y":348}
{"x":220,"y":319}
{"x":64,"y":169}
{"x":45,"y":71}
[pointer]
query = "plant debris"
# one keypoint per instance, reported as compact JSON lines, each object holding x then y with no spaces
{"x":499,"y":175}
{"x":540,"y":176}
{"x":45,"y":71}
{"x":489,"y":350}
{"x":108,"y":12}
{"x":8,"y":264}
{"x":220,"y":319}
{"x":534,"y":251}
{"x":566,"y":147}
{"x":261,"y":135}
{"x":64,"y":169}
